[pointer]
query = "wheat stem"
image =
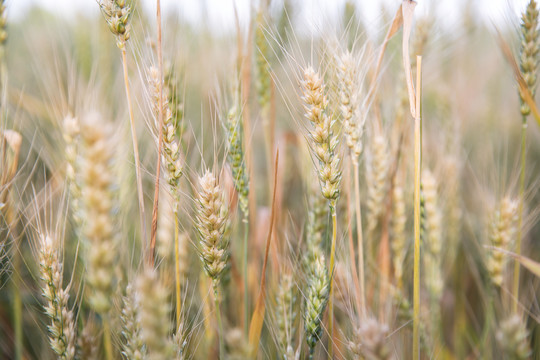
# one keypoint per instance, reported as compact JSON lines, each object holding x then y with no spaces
{"x":359,"y":238}
{"x":138,"y":177}
{"x":177,"y":269}
{"x":246,"y":290}
{"x":417,"y":172}
{"x":17,"y":318}
{"x":331,"y":298}
{"x":515,"y":290}
{"x":215,"y":285}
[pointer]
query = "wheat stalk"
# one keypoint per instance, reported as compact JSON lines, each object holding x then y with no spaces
{"x":117,"y":14}
{"x":530,"y":48}
{"x":323,"y":144}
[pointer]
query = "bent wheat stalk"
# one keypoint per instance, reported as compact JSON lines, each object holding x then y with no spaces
{"x":118,"y":14}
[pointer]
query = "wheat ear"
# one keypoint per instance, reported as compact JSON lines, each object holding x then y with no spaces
{"x":399,"y":236}
{"x":117,"y":14}
{"x":513,"y":336}
{"x":432,"y":220}
{"x":152,"y":300}
{"x":132,"y":348}
{"x":317,"y":296}
{"x":502,"y":232}
{"x":237,"y":161}
{"x":211,"y":223}
{"x":99,"y":230}
{"x":286,"y":314}
{"x":371,"y":341}
{"x":62,"y":335}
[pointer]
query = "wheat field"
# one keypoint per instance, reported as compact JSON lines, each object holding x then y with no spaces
{"x":343,"y":190}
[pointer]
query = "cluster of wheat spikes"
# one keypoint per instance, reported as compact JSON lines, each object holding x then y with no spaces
{"x":307,"y":194}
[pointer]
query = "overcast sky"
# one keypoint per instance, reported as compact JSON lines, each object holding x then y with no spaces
{"x":221,"y":13}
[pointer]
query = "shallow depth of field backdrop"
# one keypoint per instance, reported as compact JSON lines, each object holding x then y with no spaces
{"x":269,"y":179}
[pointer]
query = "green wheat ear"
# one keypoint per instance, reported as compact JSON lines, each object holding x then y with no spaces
{"x":316,"y":299}
{"x":530,"y":46}
{"x":236,"y":158}
{"x":117,"y":14}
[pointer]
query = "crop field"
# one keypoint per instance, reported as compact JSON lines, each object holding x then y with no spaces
{"x":292,"y":187}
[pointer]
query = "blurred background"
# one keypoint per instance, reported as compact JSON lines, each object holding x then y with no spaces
{"x":220,"y":13}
